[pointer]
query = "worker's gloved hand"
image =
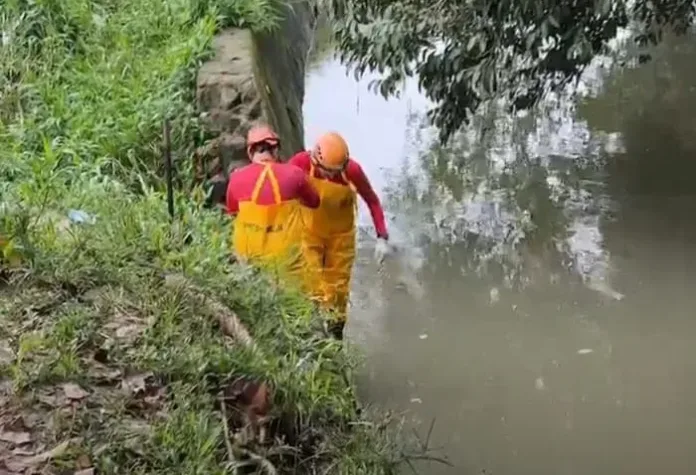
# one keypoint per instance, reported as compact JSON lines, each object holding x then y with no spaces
{"x":382,"y":250}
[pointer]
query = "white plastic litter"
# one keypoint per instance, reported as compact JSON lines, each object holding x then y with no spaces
{"x":382,"y":250}
{"x":80,"y":217}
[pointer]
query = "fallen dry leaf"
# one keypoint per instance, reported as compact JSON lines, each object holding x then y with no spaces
{"x":49,"y":399}
{"x":7,"y":356}
{"x":102,"y":373}
{"x":129,"y":332}
{"x":125,"y":325}
{"x":16,"y":424}
{"x":136,"y":383}
{"x":156,"y":398}
{"x":31,"y":420}
{"x":23,"y":452}
{"x":83,"y":462}
{"x":21,"y":464}
{"x":87,"y":471}
{"x":5,"y":388}
{"x":17,"y":438}
{"x":73,"y":391}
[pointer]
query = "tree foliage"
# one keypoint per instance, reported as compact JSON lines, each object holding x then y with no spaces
{"x":466,"y":52}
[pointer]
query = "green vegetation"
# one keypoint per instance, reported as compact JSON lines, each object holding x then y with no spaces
{"x":105,"y":365}
{"x":465,"y":53}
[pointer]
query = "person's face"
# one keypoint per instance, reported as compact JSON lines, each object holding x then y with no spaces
{"x":265,"y":151}
{"x":328,"y":173}
{"x":324,"y":172}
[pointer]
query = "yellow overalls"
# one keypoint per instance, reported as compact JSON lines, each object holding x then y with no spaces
{"x":329,"y":243}
{"x":270,"y":235}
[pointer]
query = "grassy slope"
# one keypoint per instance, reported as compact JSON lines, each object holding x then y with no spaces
{"x":83,"y":89}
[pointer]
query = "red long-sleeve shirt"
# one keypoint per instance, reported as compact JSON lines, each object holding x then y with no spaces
{"x":292,"y":181}
{"x":357,"y":177}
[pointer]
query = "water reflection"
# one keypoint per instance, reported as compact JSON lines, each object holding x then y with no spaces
{"x":651,"y":179}
{"x":552,"y":329}
{"x":512,"y":206}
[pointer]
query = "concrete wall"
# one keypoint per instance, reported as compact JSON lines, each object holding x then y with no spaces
{"x":252,"y":77}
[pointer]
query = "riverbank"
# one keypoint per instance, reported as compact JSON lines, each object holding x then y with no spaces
{"x":107,"y":365}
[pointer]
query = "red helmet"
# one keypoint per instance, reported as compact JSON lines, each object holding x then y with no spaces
{"x":259,"y":134}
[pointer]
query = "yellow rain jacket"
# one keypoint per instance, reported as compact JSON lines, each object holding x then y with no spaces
{"x":270,"y":235}
{"x":329,"y":243}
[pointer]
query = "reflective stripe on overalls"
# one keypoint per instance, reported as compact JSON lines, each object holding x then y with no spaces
{"x":270,"y":235}
{"x":329,"y":243}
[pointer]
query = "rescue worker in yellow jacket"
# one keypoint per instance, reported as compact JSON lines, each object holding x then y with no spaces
{"x":330,"y":229}
{"x":267,"y":196}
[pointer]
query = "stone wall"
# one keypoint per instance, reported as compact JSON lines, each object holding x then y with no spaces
{"x":253,"y":77}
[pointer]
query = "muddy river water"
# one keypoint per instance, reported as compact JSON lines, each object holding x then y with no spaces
{"x":544,"y":309}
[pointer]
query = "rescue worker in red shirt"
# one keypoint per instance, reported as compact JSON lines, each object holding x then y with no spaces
{"x":330,"y":229}
{"x":267,"y":197}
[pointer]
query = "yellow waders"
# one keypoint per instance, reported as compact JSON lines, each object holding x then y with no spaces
{"x":329,"y":244}
{"x":270,"y":235}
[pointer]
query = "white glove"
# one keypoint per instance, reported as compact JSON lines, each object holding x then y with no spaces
{"x":382,"y":250}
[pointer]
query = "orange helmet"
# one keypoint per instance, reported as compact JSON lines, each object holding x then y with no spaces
{"x":259,"y":134}
{"x":331,"y":151}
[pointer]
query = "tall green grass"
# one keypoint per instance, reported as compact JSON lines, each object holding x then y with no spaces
{"x":84,"y":87}
{"x":97,"y":77}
